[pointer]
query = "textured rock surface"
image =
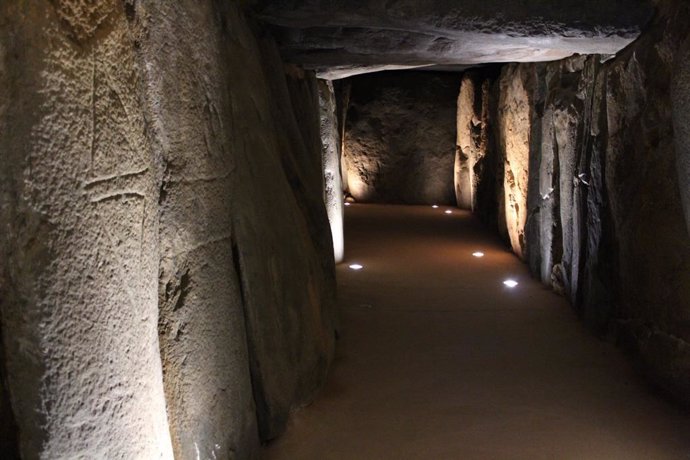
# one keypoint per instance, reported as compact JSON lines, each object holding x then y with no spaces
{"x":342,"y":38}
{"x":79,"y":240}
{"x":642,"y":184}
{"x":202,"y":325}
{"x":681,"y":118}
{"x":468,"y":144}
{"x":330,"y":160}
{"x":474,"y":164}
{"x":8,"y":429}
{"x":606,"y":174}
{"x":9,"y":445}
{"x":288,"y":276}
{"x":513,"y":125}
{"x":400,"y":138}
{"x":150,"y":153}
{"x":238,"y":298}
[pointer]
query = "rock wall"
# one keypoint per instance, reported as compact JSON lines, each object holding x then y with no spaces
{"x":166,"y":267}
{"x":604,"y":222}
{"x":399,"y":142}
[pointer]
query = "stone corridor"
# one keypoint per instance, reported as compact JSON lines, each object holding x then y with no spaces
{"x":439,"y":360}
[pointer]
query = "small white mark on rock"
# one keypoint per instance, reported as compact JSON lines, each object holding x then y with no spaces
{"x":547,"y":195}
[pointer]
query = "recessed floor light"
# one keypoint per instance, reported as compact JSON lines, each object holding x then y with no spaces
{"x":510,"y":283}
{"x":435,"y":206}
{"x":449,"y":211}
{"x":478,"y":254}
{"x":356,"y":267}
{"x":347,"y":203}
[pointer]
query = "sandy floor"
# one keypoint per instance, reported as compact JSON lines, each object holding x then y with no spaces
{"x":438,"y":360}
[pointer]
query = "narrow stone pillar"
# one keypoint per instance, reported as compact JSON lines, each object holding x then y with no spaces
{"x":463,"y":151}
{"x":680,"y":98}
{"x":343,"y":104}
{"x":79,"y":238}
{"x":330,"y":156}
{"x":514,"y":143}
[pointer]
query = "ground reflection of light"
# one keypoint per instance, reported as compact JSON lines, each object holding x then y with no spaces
{"x":510,"y":283}
{"x":356,"y":267}
{"x":435,"y":206}
{"x":449,"y":211}
{"x":478,"y":254}
{"x":348,"y":203}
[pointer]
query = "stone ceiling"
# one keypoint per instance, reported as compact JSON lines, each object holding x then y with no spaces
{"x":340,"y":38}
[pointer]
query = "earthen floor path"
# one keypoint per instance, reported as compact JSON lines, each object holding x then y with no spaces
{"x":438,"y":360}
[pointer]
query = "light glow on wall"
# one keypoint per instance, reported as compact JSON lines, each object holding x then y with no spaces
{"x":514,"y":132}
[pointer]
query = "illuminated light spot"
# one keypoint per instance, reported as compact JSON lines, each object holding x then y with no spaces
{"x":435,"y":206}
{"x":478,"y":254}
{"x":510,"y":283}
{"x":348,"y":203}
{"x":356,"y":267}
{"x":448,"y":211}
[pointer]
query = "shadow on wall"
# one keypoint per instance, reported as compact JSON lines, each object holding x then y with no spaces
{"x":400,"y":138}
{"x":580,"y":165}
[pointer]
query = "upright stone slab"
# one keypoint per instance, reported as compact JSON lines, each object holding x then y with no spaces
{"x":79,"y":240}
{"x":681,"y":123}
{"x":330,"y":161}
{"x":190,"y":101}
{"x":550,"y":241}
{"x":464,"y":159}
{"x":514,"y":125}
{"x":645,"y":195}
{"x":288,"y":276}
